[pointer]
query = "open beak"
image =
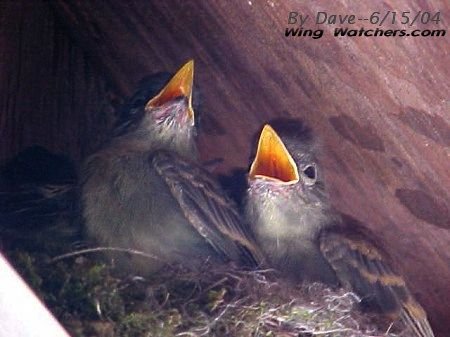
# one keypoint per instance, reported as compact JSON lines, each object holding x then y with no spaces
{"x":180,"y":85}
{"x":273,"y":160}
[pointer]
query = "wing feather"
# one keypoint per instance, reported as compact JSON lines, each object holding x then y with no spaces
{"x":362,"y":267}
{"x":208,"y":208}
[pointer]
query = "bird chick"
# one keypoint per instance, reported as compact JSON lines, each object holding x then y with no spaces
{"x":143,"y":190}
{"x":307,"y":240}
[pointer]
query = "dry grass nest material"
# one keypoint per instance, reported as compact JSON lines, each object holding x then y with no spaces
{"x":90,"y":299}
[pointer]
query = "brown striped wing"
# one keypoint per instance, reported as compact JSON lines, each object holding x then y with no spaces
{"x":362,"y":268}
{"x":207,"y":207}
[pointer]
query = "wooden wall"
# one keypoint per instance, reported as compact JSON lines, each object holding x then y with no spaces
{"x":51,"y":92}
{"x":381,"y":105}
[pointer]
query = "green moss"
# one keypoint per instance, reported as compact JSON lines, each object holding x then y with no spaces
{"x":26,"y":266}
{"x":137,"y":325}
{"x":149,"y":324}
{"x":91,"y":300}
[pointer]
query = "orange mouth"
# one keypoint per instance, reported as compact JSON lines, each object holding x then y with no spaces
{"x":273,"y":160}
{"x":180,"y":84}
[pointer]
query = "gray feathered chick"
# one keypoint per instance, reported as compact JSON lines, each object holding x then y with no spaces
{"x":307,"y":240}
{"x":144,"y":190}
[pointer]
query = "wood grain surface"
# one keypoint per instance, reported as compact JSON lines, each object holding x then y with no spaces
{"x":381,"y":105}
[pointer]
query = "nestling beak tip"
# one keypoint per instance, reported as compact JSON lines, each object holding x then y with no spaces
{"x":189,"y":69}
{"x":273,"y":160}
{"x":181,"y":84}
{"x":189,"y":65}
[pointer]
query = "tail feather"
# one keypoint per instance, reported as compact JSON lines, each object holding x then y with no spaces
{"x":414,"y":317}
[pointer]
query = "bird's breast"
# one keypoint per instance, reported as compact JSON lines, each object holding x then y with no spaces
{"x":281,"y":217}
{"x":127,"y":204}
{"x":287,"y":231}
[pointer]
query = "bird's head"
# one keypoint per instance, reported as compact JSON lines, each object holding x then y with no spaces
{"x":285,"y":165}
{"x":166,"y":121}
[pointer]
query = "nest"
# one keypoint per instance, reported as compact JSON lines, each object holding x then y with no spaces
{"x":91,"y":298}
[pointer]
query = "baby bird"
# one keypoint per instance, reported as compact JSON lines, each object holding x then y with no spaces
{"x":307,"y":240}
{"x":144,"y":190}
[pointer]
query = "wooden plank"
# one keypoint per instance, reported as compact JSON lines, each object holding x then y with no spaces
{"x":380,"y":105}
{"x":50,"y":92}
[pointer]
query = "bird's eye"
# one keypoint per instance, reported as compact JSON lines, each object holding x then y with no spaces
{"x":310,"y":172}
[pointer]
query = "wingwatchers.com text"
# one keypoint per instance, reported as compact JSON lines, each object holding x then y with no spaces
{"x":345,"y":25}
